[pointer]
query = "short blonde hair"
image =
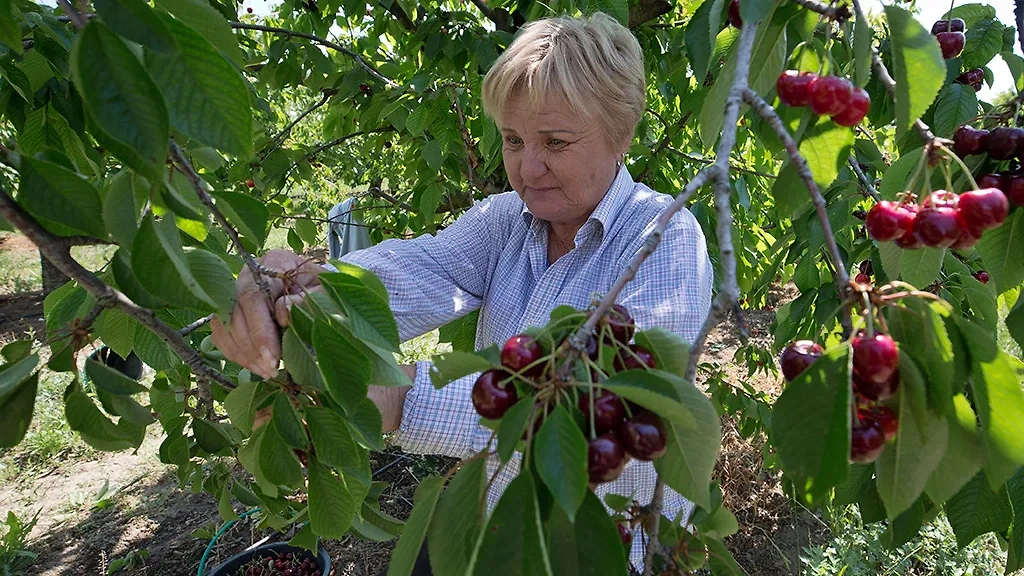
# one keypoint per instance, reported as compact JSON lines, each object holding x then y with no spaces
{"x":594,"y":63}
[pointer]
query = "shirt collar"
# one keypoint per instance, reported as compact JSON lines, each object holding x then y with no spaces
{"x":606,"y":210}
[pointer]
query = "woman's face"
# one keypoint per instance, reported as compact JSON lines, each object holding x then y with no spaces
{"x":561,"y":164}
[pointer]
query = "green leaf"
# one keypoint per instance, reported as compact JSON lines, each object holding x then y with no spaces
{"x":921,"y":267}
{"x":240,"y":408}
{"x":895,"y":180}
{"x":365,"y":424}
{"x":720,"y":560}
{"x":110,"y":380}
{"x":305,"y":539}
{"x":511,"y":429}
{"x":248,"y":214}
{"x":331,"y":439}
{"x":1015,"y":553}
{"x":207,"y":21}
{"x":345,"y":370}
{"x":590,"y":546}
{"x":206,"y":97}
{"x":277,"y":461}
{"x":432,"y":154}
{"x":999,"y":401}
{"x":96,"y":429}
{"x":224,"y":508}
{"x":918,"y":67}
{"x":862,"y":37}
{"x":513,"y":541}
{"x":906,"y":526}
{"x":811,"y":425}
{"x":856,"y":484}
{"x":976,"y":509}
{"x":15,"y":352}
{"x":671,"y":351}
{"x":331,"y":507}
{"x":826,"y":147}
{"x":63,"y":201}
{"x":461,"y":332}
{"x":368,"y":314}
{"x":560,"y":453}
{"x":956,"y":104}
{"x":288,"y":424}
{"x":904,"y":467}
{"x":691,"y":452}
{"x":17,"y":406}
{"x":403,"y":559}
{"x":921,"y":332}
{"x":13,"y":375}
{"x":1000,"y":249}
{"x":159,"y":263}
{"x":136,"y":21}
{"x":10,"y":26}
{"x":127,"y":114}
{"x":982,"y":299}
{"x":657,"y":391}
{"x":1016,"y":65}
{"x":964,"y":453}
{"x":700,"y":36}
{"x":720,"y":524}
{"x":215,"y":278}
{"x":984,"y":41}
{"x":210,"y":436}
{"x":120,"y":214}
{"x":299,"y":361}
{"x":451,"y":366}
{"x":456,"y":526}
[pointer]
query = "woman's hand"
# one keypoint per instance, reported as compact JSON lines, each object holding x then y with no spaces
{"x":252,"y":339}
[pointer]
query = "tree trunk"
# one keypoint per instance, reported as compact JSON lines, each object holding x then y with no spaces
{"x":52,"y":277}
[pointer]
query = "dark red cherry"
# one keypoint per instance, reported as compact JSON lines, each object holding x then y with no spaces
{"x":983,"y":209}
{"x":605,"y":458}
{"x":874,"y":391}
{"x":624,"y":533}
{"x":888,"y":420}
{"x":1002,"y":142}
{"x":981,"y":276}
{"x":621,"y":323}
{"x":792,"y":87}
{"x":1013,"y":186}
{"x":968,"y":237}
{"x":734,"y":14}
{"x":971,"y":77}
{"x":643,"y":435}
{"x":941,"y":199}
{"x":640,"y":358}
{"x":608,"y":410}
{"x":491,"y":396}
{"x":866,"y":442}
{"x":797,"y":356}
{"x":968,"y":141}
{"x":521,"y":351}
{"x":937,"y":227}
{"x":875,"y":358}
{"x":956,"y":25}
{"x":829,"y":95}
{"x":951,"y":43}
{"x":888,"y":221}
{"x":992,"y":181}
{"x":862,"y":278}
{"x":860,"y":103}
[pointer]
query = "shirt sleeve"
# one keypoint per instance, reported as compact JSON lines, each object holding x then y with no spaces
{"x":672,"y":288}
{"x":439,"y":421}
{"x":432,"y":280}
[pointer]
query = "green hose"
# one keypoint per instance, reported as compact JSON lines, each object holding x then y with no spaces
{"x":209,"y":547}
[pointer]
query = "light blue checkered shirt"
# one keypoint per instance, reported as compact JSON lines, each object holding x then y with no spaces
{"x":495,"y":258}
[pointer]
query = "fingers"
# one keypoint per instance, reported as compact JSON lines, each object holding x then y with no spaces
{"x":283,"y":305}
{"x":256,"y":331}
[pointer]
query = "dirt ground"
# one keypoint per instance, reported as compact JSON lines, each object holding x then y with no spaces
{"x":76,"y":535}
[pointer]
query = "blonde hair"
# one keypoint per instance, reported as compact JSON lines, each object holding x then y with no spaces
{"x":594,"y":63}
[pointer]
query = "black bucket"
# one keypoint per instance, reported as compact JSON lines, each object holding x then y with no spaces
{"x":322,"y":559}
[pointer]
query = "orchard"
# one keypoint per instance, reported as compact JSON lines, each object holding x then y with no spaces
{"x":846,"y":154}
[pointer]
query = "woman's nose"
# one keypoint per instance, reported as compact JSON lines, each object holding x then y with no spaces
{"x":533,"y":165}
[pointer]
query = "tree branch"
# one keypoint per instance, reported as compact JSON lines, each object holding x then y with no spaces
{"x":868,"y":186}
{"x":839,"y":13}
{"x":53,"y":248}
{"x":401,"y":16}
{"x":283,"y":134}
{"x":467,"y":140}
{"x":732,"y":166}
{"x":324,"y":42}
{"x":647,"y":10}
{"x":73,"y":15}
{"x":395,"y":201}
{"x":768,"y":114}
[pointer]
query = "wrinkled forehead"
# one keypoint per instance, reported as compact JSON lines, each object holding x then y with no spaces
{"x":543,"y":111}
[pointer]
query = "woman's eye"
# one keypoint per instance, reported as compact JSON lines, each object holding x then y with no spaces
{"x":513,"y":140}
{"x":556,"y":143}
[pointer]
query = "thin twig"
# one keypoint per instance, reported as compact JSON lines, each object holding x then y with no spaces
{"x":56,"y":252}
{"x":186,"y":330}
{"x":768,"y":114}
{"x":653,"y":522}
{"x":666,"y":139}
{"x":339,"y":140}
{"x":864,"y":181}
{"x":735,"y":167}
{"x":467,"y":140}
{"x":395,"y":201}
{"x":839,"y":13}
{"x":258,"y":270}
{"x":73,"y":15}
{"x":324,"y":42}
{"x":282,"y":136}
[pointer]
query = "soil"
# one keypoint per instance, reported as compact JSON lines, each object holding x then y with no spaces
{"x":21,"y":313}
{"x":150,"y":512}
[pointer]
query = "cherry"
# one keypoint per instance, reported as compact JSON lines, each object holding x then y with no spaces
{"x":521,"y":351}
{"x":992,"y":181}
{"x":875,"y":358}
{"x":860,"y":103}
{"x":983,"y":209}
{"x":621,"y":323}
{"x":887,"y":419}
{"x":860,"y":214}
{"x":643,"y":436}
{"x":364,"y":88}
{"x":624,"y":533}
{"x":641,"y":358}
{"x":909,"y":241}
{"x":1013,"y":186}
{"x":250,"y":183}
{"x":877,"y":391}
{"x":608,"y":410}
{"x":952,"y":43}
{"x":387,"y":143}
{"x":249,"y":10}
{"x":862,"y":278}
{"x":889,"y":220}
{"x":734,"y":14}
{"x":1002,"y":142}
{"x":937,"y":227}
{"x":957,"y":25}
{"x":866,"y":268}
{"x":792,"y":87}
{"x":867,"y":442}
{"x":829,"y":95}
{"x":797,"y":356}
{"x":968,"y":237}
{"x":968,"y":141}
{"x":971,"y":77}
{"x":491,"y":397}
{"x":941,"y":199}
{"x":605,"y":458}
{"x":981,"y":276}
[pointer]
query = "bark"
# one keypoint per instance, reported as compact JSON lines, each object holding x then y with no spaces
{"x":53,"y":278}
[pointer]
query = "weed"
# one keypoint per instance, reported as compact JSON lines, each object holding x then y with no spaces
{"x":133,"y":559}
{"x":14,"y":558}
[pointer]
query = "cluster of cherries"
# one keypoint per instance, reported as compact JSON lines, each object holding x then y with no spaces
{"x":621,"y":428}
{"x":876,"y":378}
{"x":1000,"y":143}
{"x":950,"y":34}
{"x":943,"y":220}
{"x":286,"y":564}
{"x":832,"y":96}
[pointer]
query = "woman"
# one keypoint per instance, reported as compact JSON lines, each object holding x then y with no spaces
{"x":567,"y":96}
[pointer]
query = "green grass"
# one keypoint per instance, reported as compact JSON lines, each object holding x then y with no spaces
{"x":20,"y":272}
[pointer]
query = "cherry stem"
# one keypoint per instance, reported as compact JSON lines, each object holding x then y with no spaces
{"x":967,"y":171}
{"x":869,"y":313}
{"x":917,"y":170}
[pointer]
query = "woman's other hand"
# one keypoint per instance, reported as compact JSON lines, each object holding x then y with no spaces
{"x":252,"y":339}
